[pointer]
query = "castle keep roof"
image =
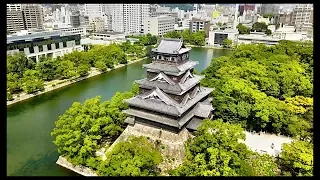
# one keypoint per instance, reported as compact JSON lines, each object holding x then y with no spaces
{"x":171,"y":46}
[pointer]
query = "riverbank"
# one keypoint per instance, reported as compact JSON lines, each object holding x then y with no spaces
{"x":61,"y":83}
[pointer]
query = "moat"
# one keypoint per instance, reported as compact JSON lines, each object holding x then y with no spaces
{"x":30,"y":151}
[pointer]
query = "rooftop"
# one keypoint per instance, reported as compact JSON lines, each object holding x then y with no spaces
{"x":157,"y":100}
{"x":172,"y":69}
{"x":30,"y":37}
{"x":169,"y":46}
{"x":108,"y":32}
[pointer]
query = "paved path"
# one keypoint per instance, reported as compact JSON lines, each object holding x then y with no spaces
{"x":262,"y":143}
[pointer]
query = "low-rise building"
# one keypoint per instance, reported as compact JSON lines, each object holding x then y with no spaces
{"x":158,"y":26}
{"x":257,"y":39}
{"x":50,"y":44}
{"x":108,"y":36}
{"x":79,"y":30}
{"x":218,"y":36}
{"x":199,"y":25}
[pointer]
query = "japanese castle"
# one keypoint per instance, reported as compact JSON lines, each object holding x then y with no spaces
{"x":171,"y":97}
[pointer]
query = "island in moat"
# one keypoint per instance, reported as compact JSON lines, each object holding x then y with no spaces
{"x":164,"y":124}
{"x":170,"y":102}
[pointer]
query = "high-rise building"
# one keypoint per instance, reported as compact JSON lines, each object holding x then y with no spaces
{"x":93,"y":10}
{"x":128,"y":17}
{"x":75,"y":20}
{"x":269,"y":9}
{"x":199,"y":25}
{"x":33,"y":16}
{"x":302,"y":14}
{"x":14,"y":18}
{"x":158,"y":25}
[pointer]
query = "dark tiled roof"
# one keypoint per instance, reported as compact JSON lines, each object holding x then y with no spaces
{"x":177,"y":88}
{"x":36,"y":35}
{"x":160,"y":106}
{"x":169,"y":46}
{"x":194,"y":123}
{"x":174,"y":69}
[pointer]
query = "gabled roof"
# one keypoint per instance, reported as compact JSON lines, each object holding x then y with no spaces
{"x":173,"y":69}
{"x":176,"y":88}
{"x":169,"y":46}
{"x":163,"y":105}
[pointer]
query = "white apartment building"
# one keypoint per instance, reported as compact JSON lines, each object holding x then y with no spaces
{"x":93,"y":10}
{"x":158,"y":25}
{"x":302,"y":13}
{"x":217,"y":37}
{"x":79,"y":30}
{"x":128,"y":17}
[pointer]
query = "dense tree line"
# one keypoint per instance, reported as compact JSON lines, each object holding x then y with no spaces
{"x":265,"y":88}
{"x":146,"y":40}
{"x":23,"y":74}
{"x":197,"y":38}
{"x":216,"y":151}
{"x":257,"y":26}
{"x":82,"y":129}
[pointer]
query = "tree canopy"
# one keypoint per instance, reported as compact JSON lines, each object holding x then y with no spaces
{"x":217,"y":151}
{"x":134,"y":157}
{"x":80,"y":131}
{"x":258,"y":86}
{"x":243,"y":29}
{"x":197,"y":38}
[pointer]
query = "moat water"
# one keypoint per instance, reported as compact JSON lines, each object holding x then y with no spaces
{"x":30,"y":148}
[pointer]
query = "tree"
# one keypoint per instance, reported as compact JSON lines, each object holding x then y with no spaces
{"x":82,"y":70}
{"x":296,"y":158}
{"x":47,"y":69}
{"x":80,"y":131}
{"x":243,"y":29}
{"x":66,"y":69}
{"x":32,"y":81}
{"x":253,"y":87}
{"x":101,"y":66}
{"x":268,"y":32}
{"x":172,"y":34}
{"x":148,"y":51}
{"x":227,"y":43}
{"x":134,"y":157}
{"x":14,"y":84}
{"x":9,"y":96}
{"x":18,"y":63}
{"x":268,"y":15}
{"x":259,"y":27}
{"x":215,"y":151}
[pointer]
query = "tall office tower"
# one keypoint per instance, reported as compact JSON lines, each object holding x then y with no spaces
{"x":302,"y":13}
{"x":14,"y":18}
{"x":269,"y":9}
{"x":33,"y":16}
{"x":128,"y":17}
{"x":93,"y":10}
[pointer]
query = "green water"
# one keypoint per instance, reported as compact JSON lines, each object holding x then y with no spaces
{"x":30,"y":151}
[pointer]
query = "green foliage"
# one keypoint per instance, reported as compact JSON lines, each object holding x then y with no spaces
{"x":134,"y":157}
{"x":215,"y":151}
{"x":185,"y":7}
{"x":243,"y":29}
{"x":296,"y":158}
{"x":100,"y":65}
{"x":14,"y":84}
{"x":32,"y":81}
{"x":146,"y":40}
{"x":18,"y":64}
{"x":82,"y":70}
{"x":227,"y":43}
{"x":197,"y":38}
{"x":80,"y":131}
{"x":268,"y":32}
{"x":265,"y":88}
{"x":268,"y":15}
{"x":9,"y":96}
{"x":47,"y":69}
{"x":259,"y":27}
{"x":66,"y":69}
